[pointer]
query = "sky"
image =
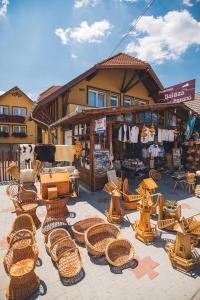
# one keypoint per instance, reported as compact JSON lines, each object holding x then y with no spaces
{"x":48,"y":42}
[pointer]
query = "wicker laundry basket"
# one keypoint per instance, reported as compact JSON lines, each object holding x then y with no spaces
{"x":119,"y":252}
{"x":54,"y":236}
{"x":98,"y":237}
{"x":79,"y":228}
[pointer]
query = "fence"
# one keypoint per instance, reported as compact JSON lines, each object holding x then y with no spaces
{"x":6,"y":157}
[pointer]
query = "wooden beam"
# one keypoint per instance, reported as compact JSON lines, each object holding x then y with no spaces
{"x":123,"y":81}
{"x":136,"y":82}
{"x":64,"y":104}
{"x":125,"y":89}
{"x":89,"y":77}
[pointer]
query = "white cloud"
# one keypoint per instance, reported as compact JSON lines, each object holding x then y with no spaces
{"x":3,"y":7}
{"x":84,"y":3}
{"x":85,"y":33}
{"x":74,"y":56}
{"x":166,"y":37}
{"x":63,"y":35}
{"x":190,"y":2}
{"x":1,"y":93}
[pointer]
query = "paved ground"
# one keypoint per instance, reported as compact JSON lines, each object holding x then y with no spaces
{"x":153,"y":277}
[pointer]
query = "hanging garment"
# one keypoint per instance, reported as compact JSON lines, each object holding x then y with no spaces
{"x":133,"y":134}
{"x":145,"y":153}
{"x":160,"y":135}
{"x":27,"y":152}
{"x":64,"y":153}
{"x":76,"y":130}
{"x":170,"y":135}
{"x":161,"y":153}
{"x":120,"y":134}
{"x":151,"y":135}
{"x":154,"y":150}
{"x":145,"y":135}
{"x":45,"y":153}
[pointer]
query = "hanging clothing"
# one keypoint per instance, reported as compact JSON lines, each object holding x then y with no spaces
{"x":27,"y":152}
{"x":76,"y":130}
{"x":133,"y":134}
{"x":64,"y":153}
{"x":45,"y":153}
{"x":145,"y":138}
{"x":123,"y":134}
{"x":145,"y":153}
{"x":154,"y":150}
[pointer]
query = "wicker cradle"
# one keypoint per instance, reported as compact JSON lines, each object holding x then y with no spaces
{"x":23,"y":221}
{"x":99,"y":236}
{"x":119,"y":252}
{"x":54,"y":236}
{"x":79,"y":228}
{"x":68,"y":259}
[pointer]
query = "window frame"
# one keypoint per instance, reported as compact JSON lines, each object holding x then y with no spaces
{"x":19,"y":126}
{"x":97,"y":92}
{"x":125,"y":99}
{"x":117,"y":100}
{"x":18,"y":108}
{"x":4,"y":125}
{"x":4,"y":106}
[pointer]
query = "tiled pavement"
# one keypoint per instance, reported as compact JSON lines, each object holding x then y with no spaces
{"x":149,"y":277}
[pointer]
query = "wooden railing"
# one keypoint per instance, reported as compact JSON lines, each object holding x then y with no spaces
{"x":6,"y":157}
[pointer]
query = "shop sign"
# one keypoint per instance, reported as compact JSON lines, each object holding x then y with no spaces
{"x":100,"y":125}
{"x":178,"y":93}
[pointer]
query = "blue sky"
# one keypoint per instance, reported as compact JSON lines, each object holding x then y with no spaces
{"x":46,"y":42}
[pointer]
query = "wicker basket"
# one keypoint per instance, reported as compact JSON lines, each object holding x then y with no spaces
{"x":79,"y":228}
{"x":99,"y":236}
{"x":54,"y":236}
{"x":119,"y":252}
{"x":63,"y":245}
{"x":68,"y":259}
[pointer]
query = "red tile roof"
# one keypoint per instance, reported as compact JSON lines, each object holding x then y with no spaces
{"x":48,"y":92}
{"x":122,"y":59}
{"x":194,"y":104}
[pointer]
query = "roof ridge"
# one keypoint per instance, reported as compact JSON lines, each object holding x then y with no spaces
{"x":108,"y":58}
{"x":54,"y":85}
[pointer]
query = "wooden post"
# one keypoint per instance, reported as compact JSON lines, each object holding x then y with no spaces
{"x":92,"y":140}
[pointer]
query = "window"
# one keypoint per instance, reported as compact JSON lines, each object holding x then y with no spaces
{"x":113,"y":100}
{"x":96,"y":98}
{"x":4,"y":128}
{"x":127,"y":101}
{"x":19,"y":111}
{"x":19,"y":129}
{"x":137,"y":101}
{"x":3,"y":110}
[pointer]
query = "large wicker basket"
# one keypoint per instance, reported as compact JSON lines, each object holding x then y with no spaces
{"x":119,"y":252}
{"x":79,"y":228}
{"x":99,"y":236}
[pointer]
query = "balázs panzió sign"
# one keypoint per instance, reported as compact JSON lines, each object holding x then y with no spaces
{"x":178,"y":93}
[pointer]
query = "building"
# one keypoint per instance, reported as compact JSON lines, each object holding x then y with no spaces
{"x":15,"y":126}
{"x":121,"y":80}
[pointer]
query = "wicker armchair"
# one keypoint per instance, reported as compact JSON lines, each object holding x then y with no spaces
{"x":23,"y":221}
{"x":130,"y":200}
{"x":20,"y":265}
{"x":12,"y":190}
{"x":26,"y":201}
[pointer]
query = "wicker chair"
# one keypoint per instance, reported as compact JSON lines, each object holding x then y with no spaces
{"x":26,"y":201}
{"x":23,"y":238}
{"x":99,"y":236}
{"x":130,"y":200}
{"x":190,"y":182}
{"x":12,"y":190}
{"x":55,"y":236}
{"x":20,"y":265}
{"x":68,"y":259}
{"x":23,"y":221}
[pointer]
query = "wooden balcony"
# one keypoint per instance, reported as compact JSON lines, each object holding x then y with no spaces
{"x":12,"y":119}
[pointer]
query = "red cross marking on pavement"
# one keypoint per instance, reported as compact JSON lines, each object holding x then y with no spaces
{"x":145,"y":266}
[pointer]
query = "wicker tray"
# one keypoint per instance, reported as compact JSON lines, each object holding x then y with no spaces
{"x":79,"y":228}
{"x":119,"y":252}
{"x":99,"y":236}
